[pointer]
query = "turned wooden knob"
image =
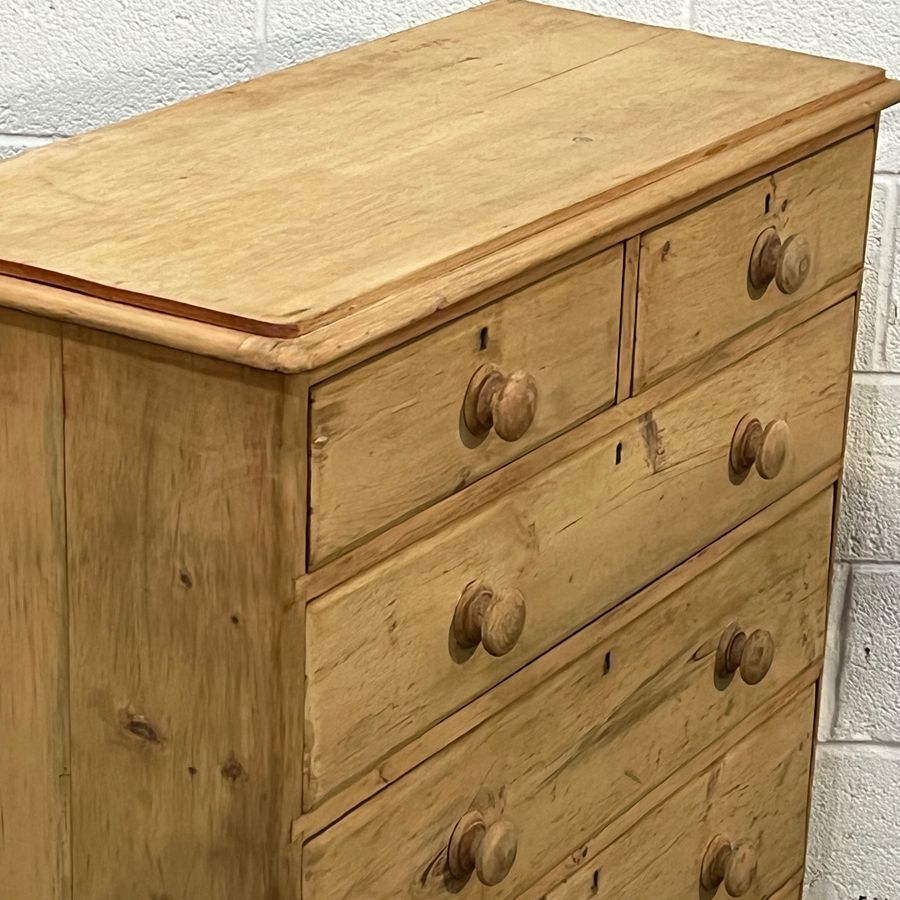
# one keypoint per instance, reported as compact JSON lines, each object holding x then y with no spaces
{"x":752,"y":655}
{"x":788,"y":262}
{"x":506,"y":403}
{"x":733,"y":865}
{"x":494,"y":619}
{"x":487,"y":850}
{"x":765,"y":447}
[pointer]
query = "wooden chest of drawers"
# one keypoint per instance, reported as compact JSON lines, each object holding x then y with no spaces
{"x":419,"y":467}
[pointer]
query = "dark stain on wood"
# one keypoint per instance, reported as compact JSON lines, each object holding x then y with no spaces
{"x":652,"y":436}
{"x":232,"y":770}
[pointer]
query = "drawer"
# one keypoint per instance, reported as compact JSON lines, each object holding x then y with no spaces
{"x":750,"y":806}
{"x":587,"y":743}
{"x":565,"y":546}
{"x":694,"y":283}
{"x":391,"y":436}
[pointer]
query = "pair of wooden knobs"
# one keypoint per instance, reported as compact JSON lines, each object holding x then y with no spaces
{"x":506,"y":403}
{"x":787,"y":262}
{"x":730,"y":865}
{"x":494,"y":619}
{"x":488,"y":850}
{"x":763,"y":447}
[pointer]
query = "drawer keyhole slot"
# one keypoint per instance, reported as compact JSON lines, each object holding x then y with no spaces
{"x":483,"y":338}
{"x":618,"y":453}
{"x":607,"y":662}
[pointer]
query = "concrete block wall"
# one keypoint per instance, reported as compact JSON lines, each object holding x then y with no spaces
{"x":71,"y":65}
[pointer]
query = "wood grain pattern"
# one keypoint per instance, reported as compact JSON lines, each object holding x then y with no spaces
{"x":184,"y":534}
{"x":271,"y":635}
{"x":694,"y":291}
{"x":793,"y":890}
{"x":34,"y":722}
{"x":327,"y":226}
{"x":638,"y":705}
{"x":693,"y":769}
{"x":412,"y":754}
{"x":388,"y":438}
{"x":757,"y":792}
{"x":443,"y":512}
{"x":649,"y":494}
{"x":409,"y":312}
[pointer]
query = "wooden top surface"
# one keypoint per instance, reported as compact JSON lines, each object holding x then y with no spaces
{"x":287,"y":203}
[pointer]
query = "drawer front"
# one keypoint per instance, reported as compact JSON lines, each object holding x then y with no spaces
{"x":567,"y":545}
{"x":586,"y":744}
{"x":391,"y":437}
{"x":695,"y":289}
{"x":753,"y":800}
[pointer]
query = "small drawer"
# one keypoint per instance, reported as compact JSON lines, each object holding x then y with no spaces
{"x":738,"y":830}
{"x":727,"y":266}
{"x":507,"y":802}
{"x":444,"y":620}
{"x":396,"y":434}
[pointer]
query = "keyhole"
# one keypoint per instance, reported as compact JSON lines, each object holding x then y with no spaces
{"x":618,"y":453}
{"x":607,"y":662}
{"x":483,"y":339}
{"x":768,"y":203}
{"x":595,"y":882}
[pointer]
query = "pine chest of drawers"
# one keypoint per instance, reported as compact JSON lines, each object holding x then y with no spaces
{"x":418,"y":471}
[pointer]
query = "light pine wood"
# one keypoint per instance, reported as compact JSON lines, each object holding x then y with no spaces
{"x":326,"y":225}
{"x":508,"y":578}
{"x":184,"y":534}
{"x":695,"y":281}
{"x":758,"y":791}
{"x":619,"y":826}
{"x":390,"y":437}
{"x":412,"y":310}
{"x":668,"y":470}
{"x":638,"y":705}
{"x":793,"y":890}
{"x":407,"y":757}
{"x":440,"y":514}
{"x":35,"y":839}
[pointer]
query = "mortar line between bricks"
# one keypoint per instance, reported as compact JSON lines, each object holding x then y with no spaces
{"x":829,"y":679}
{"x":842,"y":649}
{"x":262,"y":36}
{"x":27,"y":140}
{"x":889,"y":748}
{"x":884,"y":277}
{"x":863,"y":565}
{"x":860,"y":377}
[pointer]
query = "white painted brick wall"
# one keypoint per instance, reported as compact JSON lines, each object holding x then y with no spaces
{"x":69,"y":65}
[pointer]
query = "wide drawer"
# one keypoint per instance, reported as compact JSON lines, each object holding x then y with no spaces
{"x":750,"y":806}
{"x":391,"y":436}
{"x":383,"y":658}
{"x":695,"y":286}
{"x":587,"y":743}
